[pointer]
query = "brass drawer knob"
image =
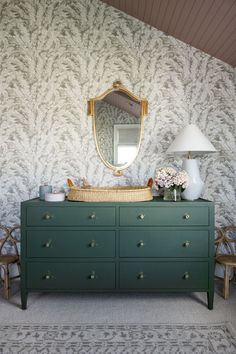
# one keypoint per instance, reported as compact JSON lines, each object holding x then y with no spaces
{"x":141,"y":243}
{"x":93,"y":216}
{"x":48,"y":244}
{"x":186,"y":216}
{"x":186,"y":244}
{"x":93,"y":244}
{"x":92,"y":276}
{"x":48,"y":216}
{"x":186,"y":275}
{"x":140,"y":276}
{"x":141,"y":216}
{"x":48,"y":276}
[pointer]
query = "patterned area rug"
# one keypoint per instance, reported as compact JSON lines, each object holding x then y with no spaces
{"x":117,"y":339}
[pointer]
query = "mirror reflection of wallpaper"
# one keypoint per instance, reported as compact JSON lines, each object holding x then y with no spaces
{"x":55,"y":55}
{"x":109,"y":115}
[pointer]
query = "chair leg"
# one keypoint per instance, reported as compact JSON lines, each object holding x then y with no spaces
{"x":6,"y":282}
{"x":18,"y":266}
{"x":234,"y":275}
{"x":226,"y":282}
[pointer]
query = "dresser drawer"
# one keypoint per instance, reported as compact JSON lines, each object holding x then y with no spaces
{"x":69,"y":276}
{"x":164,"y":275}
{"x":68,"y":243}
{"x":71,"y":216}
{"x":164,"y":243}
{"x":166,"y":216}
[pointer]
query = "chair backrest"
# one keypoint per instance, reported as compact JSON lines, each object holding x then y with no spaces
{"x":226,"y":240}
{"x":9,"y":240}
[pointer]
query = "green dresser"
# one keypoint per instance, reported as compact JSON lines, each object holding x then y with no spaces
{"x":154,"y":246}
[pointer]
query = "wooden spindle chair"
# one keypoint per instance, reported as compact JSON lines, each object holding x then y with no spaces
{"x":228,"y":259}
{"x":8,"y":241}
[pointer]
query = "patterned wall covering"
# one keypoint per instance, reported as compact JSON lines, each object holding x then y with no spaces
{"x":106,"y":116}
{"x":55,"y":54}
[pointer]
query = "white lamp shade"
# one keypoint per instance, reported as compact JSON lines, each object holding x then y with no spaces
{"x":191,"y":139}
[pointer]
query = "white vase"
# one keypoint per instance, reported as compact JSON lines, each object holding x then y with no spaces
{"x":195,"y":185}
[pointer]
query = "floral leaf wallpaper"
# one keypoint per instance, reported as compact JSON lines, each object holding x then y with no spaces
{"x":56,"y":54}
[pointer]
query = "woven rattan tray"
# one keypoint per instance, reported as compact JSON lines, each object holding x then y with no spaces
{"x":110,"y":194}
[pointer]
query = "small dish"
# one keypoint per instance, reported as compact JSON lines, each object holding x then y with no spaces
{"x":54,"y":197}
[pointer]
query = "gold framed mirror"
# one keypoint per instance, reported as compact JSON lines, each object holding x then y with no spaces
{"x":118,"y":118}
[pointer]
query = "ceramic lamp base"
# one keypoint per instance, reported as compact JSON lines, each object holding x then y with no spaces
{"x":196,"y":185}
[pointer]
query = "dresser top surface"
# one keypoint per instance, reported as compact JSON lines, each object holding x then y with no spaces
{"x":155,"y":202}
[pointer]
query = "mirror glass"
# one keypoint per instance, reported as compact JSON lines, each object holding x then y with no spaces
{"x":117,"y":124}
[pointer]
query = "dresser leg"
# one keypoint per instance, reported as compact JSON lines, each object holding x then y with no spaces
{"x":24,"y":296}
{"x":210,"y":299}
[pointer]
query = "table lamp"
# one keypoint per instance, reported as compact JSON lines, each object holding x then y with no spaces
{"x":191,"y":141}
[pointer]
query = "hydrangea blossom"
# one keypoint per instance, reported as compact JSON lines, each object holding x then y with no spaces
{"x":165,"y":177}
{"x":181,"y":179}
{"x":168,"y":177}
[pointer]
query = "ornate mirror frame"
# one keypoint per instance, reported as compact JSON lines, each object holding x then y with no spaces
{"x":117,"y":86}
